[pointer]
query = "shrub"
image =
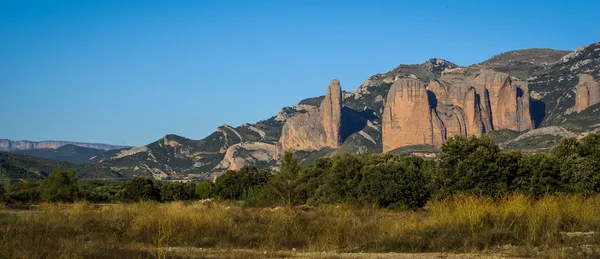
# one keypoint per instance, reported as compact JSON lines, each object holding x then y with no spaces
{"x":174,"y":191}
{"x":59,"y":186}
{"x":140,"y":189}
{"x":395,"y":184}
{"x":472,"y":164}
{"x":538,"y":174}
{"x":2,"y":194}
{"x":204,"y":189}
{"x":234,"y":185}
{"x":95,"y":191}
{"x":24,"y":192}
{"x":340,"y":179}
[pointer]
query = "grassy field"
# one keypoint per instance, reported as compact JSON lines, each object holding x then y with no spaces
{"x":558,"y":226}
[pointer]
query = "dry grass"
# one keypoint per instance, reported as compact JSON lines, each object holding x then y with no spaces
{"x":460,"y":224}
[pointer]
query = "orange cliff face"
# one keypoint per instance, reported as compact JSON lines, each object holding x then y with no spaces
{"x":587,"y":92}
{"x":408,"y":118}
{"x":460,"y":102}
{"x":317,"y":128}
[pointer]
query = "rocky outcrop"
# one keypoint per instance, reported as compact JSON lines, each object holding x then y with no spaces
{"x":461,"y":102}
{"x":249,"y":153}
{"x":587,"y":92}
{"x":508,"y":99}
{"x":408,"y":118}
{"x":330,"y":114}
{"x":316,"y":127}
{"x":9,"y":145}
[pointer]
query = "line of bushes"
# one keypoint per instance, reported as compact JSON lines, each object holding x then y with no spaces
{"x":473,"y":165}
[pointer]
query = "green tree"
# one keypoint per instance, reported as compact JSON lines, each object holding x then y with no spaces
{"x":204,"y":190}
{"x":96,"y":191}
{"x":175,"y":191}
{"x":285,"y":183}
{"x":538,"y":174}
{"x":234,"y":185}
{"x":24,"y":192}
{"x":60,"y":186}
{"x":395,"y":184}
{"x":580,"y":175}
{"x":2,"y":194}
{"x":474,"y":165}
{"x":140,"y":189}
{"x":341,"y":179}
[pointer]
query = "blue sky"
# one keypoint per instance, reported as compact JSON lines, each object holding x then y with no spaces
{"x":129,"y":72}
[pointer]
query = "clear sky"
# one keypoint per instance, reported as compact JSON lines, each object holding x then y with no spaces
{"x":129,"y":72}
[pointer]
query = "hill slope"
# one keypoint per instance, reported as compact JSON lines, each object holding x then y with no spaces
{"x":68,"y":153}
{"x":16,"y":167}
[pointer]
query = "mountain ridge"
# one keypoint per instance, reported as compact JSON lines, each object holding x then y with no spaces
{"x":12,"y":145}
{"x":358,"y":115}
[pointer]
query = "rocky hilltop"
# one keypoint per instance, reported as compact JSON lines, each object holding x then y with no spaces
{"x":525,"y":99}
{"x":9,"y":145}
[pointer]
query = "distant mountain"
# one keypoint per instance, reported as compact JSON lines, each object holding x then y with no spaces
{"x":68,"y":153}
{"x":10,"y":145}
{"x":16,"y":167}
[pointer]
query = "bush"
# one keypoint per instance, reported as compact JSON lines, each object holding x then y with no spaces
{"x":2,"y":194}
{"x":538,"y":174}
{"x":234,"y":185}
{"x":140,"y":189}
{"x":59,"y":186}
{"x":24,"y":192}
{"x":204,"y":190}
{"x":395,"y":184}
{"x":95,"y":191}
{"x":340,"y":180}
{"x":174,"y":191}
{"x":474,"y":165}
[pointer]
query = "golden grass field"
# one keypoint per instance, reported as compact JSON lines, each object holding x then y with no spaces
{"x":555,"y":226}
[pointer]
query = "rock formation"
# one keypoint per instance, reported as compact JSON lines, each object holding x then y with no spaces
{"x":249,"y":153}
{"x":408,"y":118}
{"x":461,"y":102}
{"x":330,"y":114}
{"x":587,"y":92}
{"x":317,"y":127}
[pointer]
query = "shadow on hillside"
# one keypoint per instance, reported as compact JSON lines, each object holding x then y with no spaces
{"x":538,"y":111}
{"x":354,"y":121}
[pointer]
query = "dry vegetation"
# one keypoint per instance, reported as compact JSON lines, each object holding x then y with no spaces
{"x":557,"y":226}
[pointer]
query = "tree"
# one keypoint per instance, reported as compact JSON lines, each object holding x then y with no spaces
{"x":2,"y":194}
{"x":395,"y":184}
{"x":24,"y":192}
{"x":472,"y":164}
{"x":285,"y":183}
{"x":96,"y":191}
{"x":204,"y":190}
{"x":174,"y":191}
{"x":234,"y":185}
{"x":341,"y":179}
{"x":538,"y":174}
{"x":140,"y":189}
{"x":60,"y":186}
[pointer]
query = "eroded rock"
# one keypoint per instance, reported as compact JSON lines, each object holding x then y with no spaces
{"x":587,"y":92}
{"x":316,"y":127}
